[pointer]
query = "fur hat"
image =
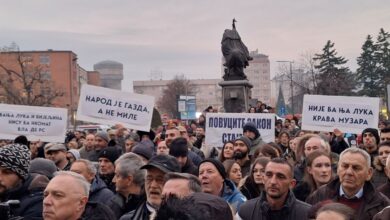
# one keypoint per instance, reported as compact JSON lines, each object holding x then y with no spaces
{"x":16,"y":158}
{"x":111,"y":153}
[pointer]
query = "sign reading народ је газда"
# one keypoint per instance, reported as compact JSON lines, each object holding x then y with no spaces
{"x":108,"y":106}
{"x":347,"y":113}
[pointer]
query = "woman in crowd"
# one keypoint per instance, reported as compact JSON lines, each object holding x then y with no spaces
{"x":233,"y":171}
{"x":227,"y":151}
{"x":130,"y":142}
{"x":318,"y":172}
{"x":253,"y":184}
{"x":267,"y":151}
{"x":252,"y":110}
{"x":335,"y":211}
{"x":284,"y":138}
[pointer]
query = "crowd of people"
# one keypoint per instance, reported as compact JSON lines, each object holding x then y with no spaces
{"x":170,"y":173}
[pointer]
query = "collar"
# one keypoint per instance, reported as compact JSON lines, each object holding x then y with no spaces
{"x":358,"y":195}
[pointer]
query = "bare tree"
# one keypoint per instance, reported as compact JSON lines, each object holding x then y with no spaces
{"x":170,"y":95}
{"x":24,"y":83}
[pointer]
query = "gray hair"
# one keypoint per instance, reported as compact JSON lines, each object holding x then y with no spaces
{"x":193,"y":181}
{"x":90,"y":166}
{"x":129,"y":164}
{"x":78,"y":178}
{"x":324,"y":144}
{"x":355,"y":150}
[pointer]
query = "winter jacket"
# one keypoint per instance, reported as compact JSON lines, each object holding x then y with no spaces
{"x":259,"y":209}
{"x":338,"y":145}
{"x":302,"y":191}
{"x":194,"y":158}
{"x":190,"y":168}
{"x":379,"y":177}
{"x":30,"y":196}
{"x":121,"y":205}
{"x":232,"y":195}
{"x":256,"y":143}
{"x":373,"y":201}
{"x":250,"y":189}
{"x":385,"y":189}
{"x":140,"y":213}
{"x":107,"y":179}
{"x":97,"y":211}
{"x":99,"y":191}
{"x":383,"y":215}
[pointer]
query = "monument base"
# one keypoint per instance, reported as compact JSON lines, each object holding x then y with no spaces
{"x":235,"y":95}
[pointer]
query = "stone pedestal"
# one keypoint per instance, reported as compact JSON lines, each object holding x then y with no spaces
{"x":235,"y":95}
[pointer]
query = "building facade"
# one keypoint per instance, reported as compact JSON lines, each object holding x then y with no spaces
{"x":111,"y":74}
{"x":54,"y":70}
{"x":207,"y":91}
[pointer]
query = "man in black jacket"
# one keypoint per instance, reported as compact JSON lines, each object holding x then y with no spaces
{"x":17,"y":184}
{"x":277,"y":201}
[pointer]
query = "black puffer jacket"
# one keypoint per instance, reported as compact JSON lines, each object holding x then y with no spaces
{"x":259,"y":209}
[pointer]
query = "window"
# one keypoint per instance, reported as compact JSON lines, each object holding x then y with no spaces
{"x":44,"y":59}
{"x":46,"y":75}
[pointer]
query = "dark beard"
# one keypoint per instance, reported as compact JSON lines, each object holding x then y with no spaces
{"x":240,"y":155}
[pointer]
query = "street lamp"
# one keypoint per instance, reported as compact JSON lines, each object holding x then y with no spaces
{"x":291,"y":83}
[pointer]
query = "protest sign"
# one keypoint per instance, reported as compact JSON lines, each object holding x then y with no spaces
{"x":108,"y":106}
{"x":223,"y":127}
{"x":347,"y":113}
{"x":36,"y":123}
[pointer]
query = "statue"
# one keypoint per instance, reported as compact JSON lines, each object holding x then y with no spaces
{"x":236,"y":55}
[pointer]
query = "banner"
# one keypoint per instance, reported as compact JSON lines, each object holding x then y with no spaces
{"x":36,"y":123}
{"x":108,"y":106}
{"x":223,"y":127}
{"x":347,"y":113}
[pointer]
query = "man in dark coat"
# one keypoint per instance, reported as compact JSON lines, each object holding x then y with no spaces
{"x":129,"y":181}
{"x":99,"y":191}
{"x":353,"y":187}
{"x":179,"y":149}
{"x":17,"y":184}
{"x":277,"y":201}
{"x":385,"y":188}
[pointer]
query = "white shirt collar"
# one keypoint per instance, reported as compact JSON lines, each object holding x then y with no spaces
{"x":358,"y":195}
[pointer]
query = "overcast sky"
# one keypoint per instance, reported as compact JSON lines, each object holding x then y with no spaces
{"x":184,"y":36}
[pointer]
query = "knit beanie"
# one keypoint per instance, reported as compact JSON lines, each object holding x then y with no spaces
{"x":43,"y":166}
{"x":143,"y":149}
{"x":75,"y":153}
{"x":249,"y":126}
{"x":217,"y":164}
{"x":111,"y":153}
{"x":103,"y":135}
{"x":179,"y":147}
{"x":246,"y":140}
{"x":16,"y":158}
{"x":374,"y":132}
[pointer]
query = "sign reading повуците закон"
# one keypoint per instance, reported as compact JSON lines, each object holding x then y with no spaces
{"x":36,"y":123}
{"x":347,"y":113}
{"x":108,"y":106}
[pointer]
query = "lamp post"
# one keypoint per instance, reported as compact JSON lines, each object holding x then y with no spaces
{"x":291,"y":83}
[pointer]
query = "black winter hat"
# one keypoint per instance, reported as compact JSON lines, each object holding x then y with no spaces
{"x":217,"y":164}
{"x":249,"y":126}
{"x":22,"y":140}
{"x":111,"y":153}
{"x":165,"y":163}
{"x":179,"y":147}
{"x":16,"y":158}
{"x":374,"y":132}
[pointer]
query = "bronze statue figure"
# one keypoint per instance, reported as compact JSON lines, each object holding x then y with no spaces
{"x":236,"y":54}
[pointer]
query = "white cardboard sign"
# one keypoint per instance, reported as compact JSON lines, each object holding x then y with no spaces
{"x":36,"y":123}
{"x":223,"y":127}
{"x":108,"y":106}
{"x":348,"y":113}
